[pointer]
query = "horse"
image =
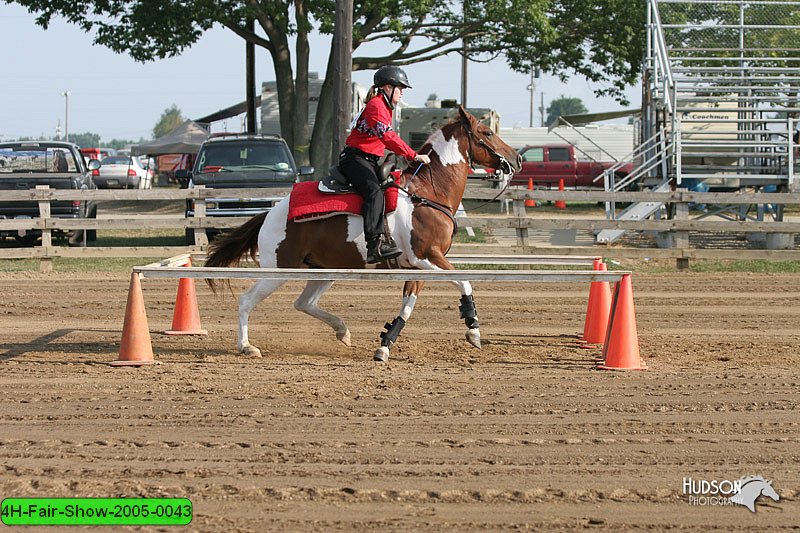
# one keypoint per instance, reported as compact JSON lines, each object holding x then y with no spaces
{"x":423,"y":226}
{"x":751,"y":488}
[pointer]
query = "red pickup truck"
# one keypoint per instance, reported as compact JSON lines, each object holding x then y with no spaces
{"x":549,"y":163}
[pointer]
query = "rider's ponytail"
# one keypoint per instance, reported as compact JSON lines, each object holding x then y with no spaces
{"x":372,"y":93}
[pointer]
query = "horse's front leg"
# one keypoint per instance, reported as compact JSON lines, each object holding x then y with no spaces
{"x":469,"y":313}
{"x":467,"y":304}
{"x":437,"y":260}
{"x":410,"y":291}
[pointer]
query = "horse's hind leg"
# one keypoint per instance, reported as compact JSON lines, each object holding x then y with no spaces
{"x":247,"y":302}
{"x":308,"y":302}
{"x":410,"y":291}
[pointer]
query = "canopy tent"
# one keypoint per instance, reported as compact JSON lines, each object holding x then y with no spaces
{"x":588,"y":118}
{"x":185,"y":139}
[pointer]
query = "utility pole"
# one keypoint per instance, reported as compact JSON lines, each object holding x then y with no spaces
{"x":65,"y":94}
{"x":342,"y":74}
{"x":531,"y":89}
{"x":535,"y":73}
{"x":541,"y":109}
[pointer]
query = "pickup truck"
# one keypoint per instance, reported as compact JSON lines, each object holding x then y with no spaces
{"x":59,"y":165}
{"x":549,"y":163}
{"x":241,"y":161}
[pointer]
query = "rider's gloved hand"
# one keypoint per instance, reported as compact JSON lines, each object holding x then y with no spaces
{"x":422,"y":158}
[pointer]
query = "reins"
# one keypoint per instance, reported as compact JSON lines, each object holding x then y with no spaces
{"x":422,"y":201}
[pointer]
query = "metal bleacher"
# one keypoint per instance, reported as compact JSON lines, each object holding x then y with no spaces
{"x":722,"y":85}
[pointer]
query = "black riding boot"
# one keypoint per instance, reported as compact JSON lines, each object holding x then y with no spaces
{"x":379,"y":250}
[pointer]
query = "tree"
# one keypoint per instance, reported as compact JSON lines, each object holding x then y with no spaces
{"x":85,"y":140}
{"x":564,"y":105}
{"x":119,"y":144}
{"x":170,"y":119}
{"x":601,"y":40}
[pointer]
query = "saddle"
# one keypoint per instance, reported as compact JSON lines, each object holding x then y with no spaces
{"x":338,"y":183}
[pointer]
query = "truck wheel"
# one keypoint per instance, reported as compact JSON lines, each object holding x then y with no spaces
{"x":91,"y":235}
{"x":76,"y":237}
{"x":28,"y":240}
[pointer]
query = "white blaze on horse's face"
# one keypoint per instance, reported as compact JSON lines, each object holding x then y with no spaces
{"x":447,"y":150}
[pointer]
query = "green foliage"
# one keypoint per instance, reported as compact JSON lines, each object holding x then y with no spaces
{"x":564,"y":105}
{"x":601,"y":40}
{"x":85,"y":140}
{"x":119,"y":144}
{"x":170,"y":119}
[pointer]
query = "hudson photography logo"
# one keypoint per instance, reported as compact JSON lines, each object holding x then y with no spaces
{"x":743,"y":491}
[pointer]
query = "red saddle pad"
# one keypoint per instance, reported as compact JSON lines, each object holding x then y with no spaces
{"x":307,"y":202}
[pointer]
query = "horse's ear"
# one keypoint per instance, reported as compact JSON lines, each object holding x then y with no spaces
{"x":463,"y":113}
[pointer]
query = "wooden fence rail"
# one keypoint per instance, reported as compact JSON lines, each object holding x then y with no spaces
{"x":521,"y":223}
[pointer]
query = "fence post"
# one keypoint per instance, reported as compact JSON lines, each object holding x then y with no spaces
{"x":681,"y":239}
{"x":200,"y":237}
{"x":45,"y":262}
{"x":522,"y":233}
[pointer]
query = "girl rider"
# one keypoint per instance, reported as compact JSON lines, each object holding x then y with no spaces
{"x":371,"y":134}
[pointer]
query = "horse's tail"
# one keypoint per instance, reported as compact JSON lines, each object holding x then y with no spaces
{"x":228,"y":248}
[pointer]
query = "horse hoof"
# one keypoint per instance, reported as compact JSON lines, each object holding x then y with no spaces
{"x":344,"y":337}
{"x":474,"y":337}
{"x":381,"y":354}
{"x":251,"y":351}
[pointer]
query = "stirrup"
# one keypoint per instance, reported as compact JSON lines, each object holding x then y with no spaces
{"x":383,"y":249}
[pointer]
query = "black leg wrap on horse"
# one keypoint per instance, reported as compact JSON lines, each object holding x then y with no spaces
{"x":389,"y":336}
{"x":468,"y":311}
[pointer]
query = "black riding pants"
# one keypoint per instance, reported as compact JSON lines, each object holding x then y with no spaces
{"x":364,"y":178}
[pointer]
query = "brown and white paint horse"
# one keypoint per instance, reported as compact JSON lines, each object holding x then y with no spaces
{"x":422,"y":230}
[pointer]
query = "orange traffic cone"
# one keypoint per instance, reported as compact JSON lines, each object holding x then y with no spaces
{"x":530,"y":202}
{"x":561,"y":204}
{"x":621,"y":349}
{"x":592,"y":290}
{"x":597,"y":323}
{"x":186,"y":318}
{"x":135,"y":348}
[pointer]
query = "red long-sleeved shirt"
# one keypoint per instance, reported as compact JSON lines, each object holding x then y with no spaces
{"x":373,"y":131}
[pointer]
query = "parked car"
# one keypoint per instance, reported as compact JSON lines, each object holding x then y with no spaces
{"x":548,"y":164}
{"x":59,"y":165}
{"x":239,"y":161}
{"x":123,"y":172}
{"x":97,"y":153}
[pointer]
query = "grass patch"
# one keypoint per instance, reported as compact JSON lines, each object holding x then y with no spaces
{"x":463,"y":237}
{"x":73,"y":264}
{"x":756,"y":266}
{"x":151,"y":237}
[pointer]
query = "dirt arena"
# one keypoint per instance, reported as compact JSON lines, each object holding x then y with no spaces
{"x":521,"y":435}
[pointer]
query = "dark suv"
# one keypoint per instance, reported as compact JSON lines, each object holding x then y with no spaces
{"x":241,"y":161}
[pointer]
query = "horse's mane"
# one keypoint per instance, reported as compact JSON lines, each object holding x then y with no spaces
{"x":451,"y":122}
{"x":427,"y":145}
{"x":749,"y":479}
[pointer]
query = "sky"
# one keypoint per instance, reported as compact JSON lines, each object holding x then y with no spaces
{"x":118,"y":98}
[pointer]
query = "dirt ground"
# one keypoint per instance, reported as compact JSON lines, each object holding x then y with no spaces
{"x":520,"y":435}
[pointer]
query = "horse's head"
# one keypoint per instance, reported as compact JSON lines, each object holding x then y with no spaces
{"x":486,"y":148}
{"x":768,"y":491}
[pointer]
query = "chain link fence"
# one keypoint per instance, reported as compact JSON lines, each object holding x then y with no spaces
{"x":718,"y":28}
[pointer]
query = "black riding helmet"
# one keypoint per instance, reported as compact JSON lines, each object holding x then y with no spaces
{"x":391,"y":75}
